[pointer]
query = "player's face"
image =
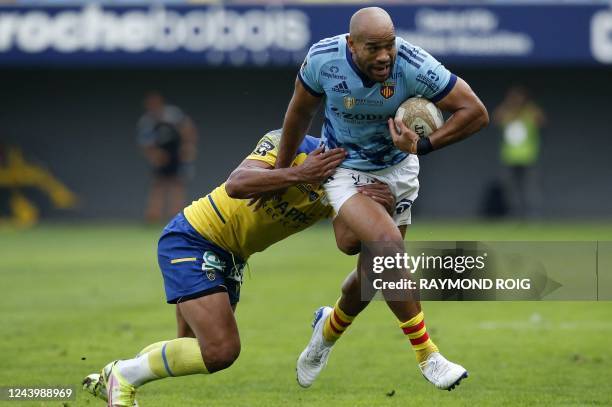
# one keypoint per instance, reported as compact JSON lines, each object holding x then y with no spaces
{"x":375,"y":55}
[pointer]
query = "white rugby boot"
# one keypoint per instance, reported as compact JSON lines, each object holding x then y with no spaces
{"x":119,"y":392}
{"x":441,"y":373}
{"x":313,"y":359}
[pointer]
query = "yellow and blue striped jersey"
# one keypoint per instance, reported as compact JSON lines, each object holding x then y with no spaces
{"x":240,"y":230}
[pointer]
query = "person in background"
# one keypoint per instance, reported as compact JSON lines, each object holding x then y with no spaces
{"x":168,"y":139}
{"x":520,"y":120}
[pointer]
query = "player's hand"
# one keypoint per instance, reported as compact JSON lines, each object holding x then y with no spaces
{"x":403,"y":138}
{"x":381,"y":193}
{"x":320,"y":165}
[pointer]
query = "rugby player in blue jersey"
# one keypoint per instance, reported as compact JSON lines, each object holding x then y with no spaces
{"x":363,"y":77}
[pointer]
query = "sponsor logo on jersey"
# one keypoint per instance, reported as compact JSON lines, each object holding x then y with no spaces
{"x":263,"y":148}
{"x":332,"y":75}
{"x":341,"y":87}
{"x":358,"y":117}
{"x":313,"y":195}
{"x":349,"y":102}
{"x":429,"y":80}
{"x":387,"y":89}
{"x":289,"y":216}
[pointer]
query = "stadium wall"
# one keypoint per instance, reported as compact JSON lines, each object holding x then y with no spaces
{"x":81,"y":124}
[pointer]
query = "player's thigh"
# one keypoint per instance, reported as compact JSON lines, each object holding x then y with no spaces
{"x":368,"y":219}
{"x":211,"y":318}
{"x":183,"y":330}
{"x":405,"y":180}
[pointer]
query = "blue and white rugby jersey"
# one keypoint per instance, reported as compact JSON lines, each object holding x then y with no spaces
{"x":357,"y":109}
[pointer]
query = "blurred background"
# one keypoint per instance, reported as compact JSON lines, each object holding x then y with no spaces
{"x":115,"y":114}
{"x":109,"y":108}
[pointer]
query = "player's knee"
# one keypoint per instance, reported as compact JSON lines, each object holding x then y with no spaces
{"x":221,"y":356}
{"x":349,"y":248}
{"x":184,"y":331}
{"x":388,"y":236}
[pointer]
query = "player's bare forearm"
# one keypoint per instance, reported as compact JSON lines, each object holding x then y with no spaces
{"x":300,"y":112}
{"x":257,"y":178}
{"x":469,"y":115}
{"x":254,"y":178}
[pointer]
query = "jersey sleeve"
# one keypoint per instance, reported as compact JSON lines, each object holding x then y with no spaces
{"x":432,"y":80}
{"x":267,"y":148}
{"x":309,"y":75}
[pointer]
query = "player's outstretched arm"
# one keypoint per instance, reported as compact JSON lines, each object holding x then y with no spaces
{"x":253,"y":178}
{"x":469,"y":115}
{"x":301,"y":109}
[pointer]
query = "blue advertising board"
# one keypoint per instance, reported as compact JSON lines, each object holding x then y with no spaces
{"x":182,"y":35}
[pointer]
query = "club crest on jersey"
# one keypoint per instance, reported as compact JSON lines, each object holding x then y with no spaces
{"x":387,"y":89}
{"x":349,"y":102}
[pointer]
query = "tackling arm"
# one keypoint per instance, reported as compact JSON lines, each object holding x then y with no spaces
{"x":301,"y":109}
{"x":253,"y":178}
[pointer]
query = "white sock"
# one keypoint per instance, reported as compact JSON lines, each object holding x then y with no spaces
{"x":136,"y":371}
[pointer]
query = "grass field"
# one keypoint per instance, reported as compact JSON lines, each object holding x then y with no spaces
{"x":75,"y":297}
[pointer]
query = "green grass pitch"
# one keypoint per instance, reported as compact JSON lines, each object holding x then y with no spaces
{"x":77,"y":296}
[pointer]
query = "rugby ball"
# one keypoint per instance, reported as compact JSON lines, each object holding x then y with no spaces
{"x":420,"y":115}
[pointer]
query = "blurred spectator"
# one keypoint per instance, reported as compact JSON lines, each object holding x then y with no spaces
{"x":168,"y":139}
{"x":520,"y":119}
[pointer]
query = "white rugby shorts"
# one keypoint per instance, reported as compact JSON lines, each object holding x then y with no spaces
{"x":402,"y":178}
